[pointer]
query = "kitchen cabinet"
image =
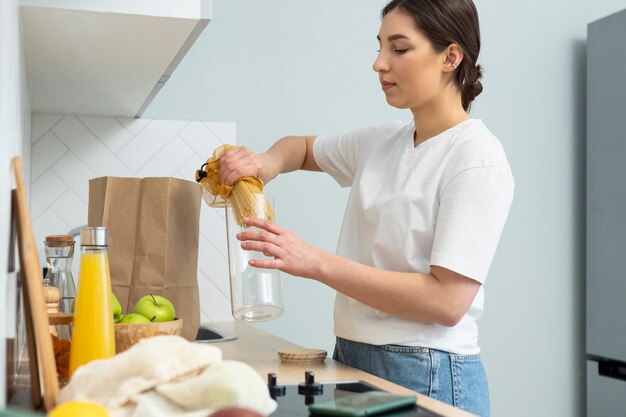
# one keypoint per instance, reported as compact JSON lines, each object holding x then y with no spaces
{"x":606,"y":205}
{"x":105,"y":57}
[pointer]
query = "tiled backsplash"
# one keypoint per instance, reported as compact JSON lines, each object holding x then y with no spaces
{"x":69,"y":150}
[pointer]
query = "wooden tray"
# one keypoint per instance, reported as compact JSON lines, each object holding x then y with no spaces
{"x":43,"y":371}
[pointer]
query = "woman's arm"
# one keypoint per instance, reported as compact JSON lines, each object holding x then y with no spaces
{"x":441,"y":296}
{"x":288,"y":154}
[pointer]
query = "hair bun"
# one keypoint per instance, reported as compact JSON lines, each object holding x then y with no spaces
{"x":472,"y":85}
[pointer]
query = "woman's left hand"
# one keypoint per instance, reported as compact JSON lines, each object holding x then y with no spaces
{"x":291,"y":254}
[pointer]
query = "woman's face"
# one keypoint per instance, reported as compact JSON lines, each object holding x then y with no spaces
{"x":409,"y":69}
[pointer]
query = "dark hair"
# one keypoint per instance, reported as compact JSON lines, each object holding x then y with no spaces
{"x":445,"y":22}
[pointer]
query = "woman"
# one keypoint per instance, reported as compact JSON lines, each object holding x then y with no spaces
{"x":428,"y":202}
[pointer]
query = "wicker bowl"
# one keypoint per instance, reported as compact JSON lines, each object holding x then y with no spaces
{"x":127,"y":334}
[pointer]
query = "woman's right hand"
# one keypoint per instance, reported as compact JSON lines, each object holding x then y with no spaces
{"x":288,"y":154}
{"x":240,"y":162}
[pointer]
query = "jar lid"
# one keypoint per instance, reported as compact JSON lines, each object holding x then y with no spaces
{"x":93,"y":236}
{"x":59,"y":240}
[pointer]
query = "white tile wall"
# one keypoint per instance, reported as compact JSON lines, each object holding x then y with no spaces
{"x":69,"y":150}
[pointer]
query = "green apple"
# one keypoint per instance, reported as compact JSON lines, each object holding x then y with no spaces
{"x":117,"y":308}
{"x":155,"y":308}
{"x":133,"y":318}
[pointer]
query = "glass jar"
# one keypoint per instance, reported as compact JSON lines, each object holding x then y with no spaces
{"x":59,"y":251}
{"x":255,"y":293}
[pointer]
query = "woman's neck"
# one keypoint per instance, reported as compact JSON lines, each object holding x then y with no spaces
{"x":435,"y":119}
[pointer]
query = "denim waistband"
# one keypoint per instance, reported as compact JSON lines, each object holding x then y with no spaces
{"x":459,"y":380}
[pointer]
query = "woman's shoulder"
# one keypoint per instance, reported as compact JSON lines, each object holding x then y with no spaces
{"x":475,"y":144}
{"x":474,"y":130}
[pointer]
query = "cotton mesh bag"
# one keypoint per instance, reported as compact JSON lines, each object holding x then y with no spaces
{"x":169,"y":376}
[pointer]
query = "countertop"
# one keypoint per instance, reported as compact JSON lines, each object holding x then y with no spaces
{"x":259,"y":349}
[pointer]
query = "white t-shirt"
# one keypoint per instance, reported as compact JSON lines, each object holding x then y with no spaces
{"x":442,"y":203}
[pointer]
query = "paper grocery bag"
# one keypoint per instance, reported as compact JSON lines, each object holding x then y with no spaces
{"x":153,"y":240}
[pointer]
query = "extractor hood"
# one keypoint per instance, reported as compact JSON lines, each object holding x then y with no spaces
{"x":105,"y":57}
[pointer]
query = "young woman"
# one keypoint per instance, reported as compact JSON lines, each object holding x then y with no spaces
{"x":428,"y":202}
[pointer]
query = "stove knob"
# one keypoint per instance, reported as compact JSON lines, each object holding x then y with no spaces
{"x":275,"y":390}
{"x":309,"y":386}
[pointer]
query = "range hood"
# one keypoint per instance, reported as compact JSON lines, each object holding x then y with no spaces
{"x":105,"y":57}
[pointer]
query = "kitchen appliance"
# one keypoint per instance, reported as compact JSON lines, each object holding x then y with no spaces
{"x":606,"y":217}
{"x":293,"y":399}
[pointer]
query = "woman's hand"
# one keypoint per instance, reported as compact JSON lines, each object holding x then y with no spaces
{"x":291,"y":254}
{"x":240,"y":162}
{"x":288,"y":154}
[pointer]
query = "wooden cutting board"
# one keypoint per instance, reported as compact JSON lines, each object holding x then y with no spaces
{"x":44,"y":381}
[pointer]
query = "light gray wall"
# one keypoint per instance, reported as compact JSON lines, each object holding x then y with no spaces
{"x":299,"y":67}
{"x":14,"y":141}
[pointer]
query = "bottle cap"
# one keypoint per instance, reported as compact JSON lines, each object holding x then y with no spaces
{"x":93,"y":236}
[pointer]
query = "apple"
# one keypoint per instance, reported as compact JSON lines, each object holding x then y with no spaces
{"x":133,"y":318}
{"x":117,"y":308}
{"x":155,"y":308}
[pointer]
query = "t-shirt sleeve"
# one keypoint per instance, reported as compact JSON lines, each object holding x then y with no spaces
{"x":340,"y":155}
{"x":473,"y":209}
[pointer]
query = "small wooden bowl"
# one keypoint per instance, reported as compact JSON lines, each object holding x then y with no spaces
{"x":127,"y":334}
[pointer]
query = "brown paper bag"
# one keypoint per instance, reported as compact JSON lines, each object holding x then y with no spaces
{"x":153,"y":240}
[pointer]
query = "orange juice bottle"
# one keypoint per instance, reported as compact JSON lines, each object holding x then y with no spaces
{"x":93,"y":334}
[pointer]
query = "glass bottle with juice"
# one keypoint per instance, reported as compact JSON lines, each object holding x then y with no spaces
{"x":93,"y":334}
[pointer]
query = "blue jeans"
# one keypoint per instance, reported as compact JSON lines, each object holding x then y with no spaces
{"x":459,"y":380}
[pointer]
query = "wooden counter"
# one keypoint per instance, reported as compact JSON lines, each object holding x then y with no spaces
{"x":259,"y":349}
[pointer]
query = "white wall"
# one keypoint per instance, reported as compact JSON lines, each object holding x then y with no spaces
{"x":14,"y":128}
{"x":68,"y":150}
{"x":283,"y":66}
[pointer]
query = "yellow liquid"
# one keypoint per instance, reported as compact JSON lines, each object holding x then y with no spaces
{"x":93,"y":334}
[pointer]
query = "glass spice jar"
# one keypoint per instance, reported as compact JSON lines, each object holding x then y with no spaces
{"x":59,"y":250}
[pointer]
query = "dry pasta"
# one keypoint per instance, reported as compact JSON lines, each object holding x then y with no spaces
{"x":245,"y":195}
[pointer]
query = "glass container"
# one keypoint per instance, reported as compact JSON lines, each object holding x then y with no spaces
{"x":59,"y":251}
{"x":93,"y":333}
{"x":256,"y":293}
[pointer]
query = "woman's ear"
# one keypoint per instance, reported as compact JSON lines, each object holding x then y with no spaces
{"x":453,"y":55}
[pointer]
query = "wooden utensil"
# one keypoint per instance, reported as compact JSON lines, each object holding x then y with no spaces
{"x":44,"y":381}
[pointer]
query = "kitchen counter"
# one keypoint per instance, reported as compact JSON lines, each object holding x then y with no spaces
{"x":259,"y":349}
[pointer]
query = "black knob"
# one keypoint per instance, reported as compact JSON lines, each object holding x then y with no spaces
{"x":275,"y":390}
{"x":309,"y":386}
{"x":309,"y":377}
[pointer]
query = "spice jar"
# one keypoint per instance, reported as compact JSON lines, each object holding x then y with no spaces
{"x":59,"y":250}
